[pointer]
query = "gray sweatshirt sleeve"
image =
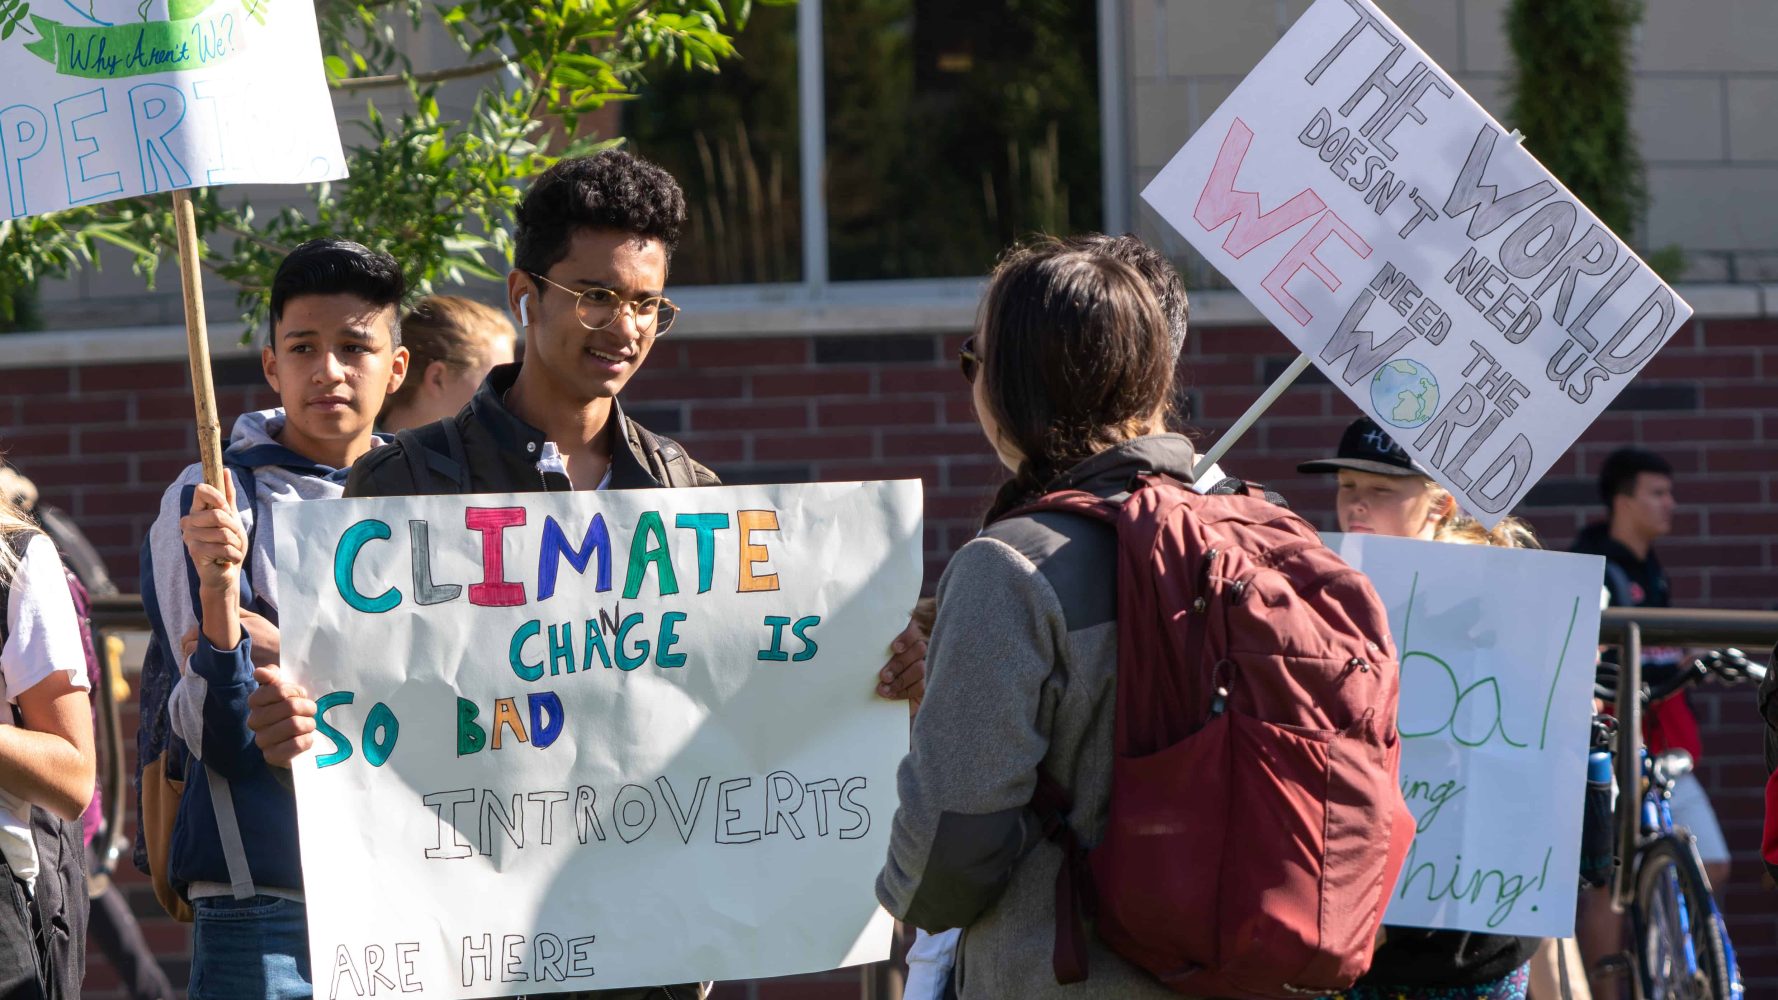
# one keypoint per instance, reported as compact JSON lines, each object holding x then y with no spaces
{"x":172,"y":588}
{"x":963,"y":823}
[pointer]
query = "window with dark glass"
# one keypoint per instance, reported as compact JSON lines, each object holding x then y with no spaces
{"x":731,"y":139}
{"x":951,"y":129}
{"x":954,"y":128}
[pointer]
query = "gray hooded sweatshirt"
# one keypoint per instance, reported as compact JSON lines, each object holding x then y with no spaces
{"x":280,"y":476}
{"x":1021,"y":674}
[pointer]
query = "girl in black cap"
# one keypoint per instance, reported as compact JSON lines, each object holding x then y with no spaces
{"x":1383,"y":491}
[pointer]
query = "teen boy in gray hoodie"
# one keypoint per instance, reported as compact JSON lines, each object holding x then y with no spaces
{"x":334,"y":354}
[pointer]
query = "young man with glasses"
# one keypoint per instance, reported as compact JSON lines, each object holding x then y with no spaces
{"x":594,"y":239}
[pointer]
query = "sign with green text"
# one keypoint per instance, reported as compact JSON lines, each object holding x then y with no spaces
{"x":1497,"y":649}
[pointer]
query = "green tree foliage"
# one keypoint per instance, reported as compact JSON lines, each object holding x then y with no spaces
{"x":1571,"y":99}
{"x":434,"y":191}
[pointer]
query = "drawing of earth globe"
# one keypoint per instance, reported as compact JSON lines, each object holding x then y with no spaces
{"x":1404,"y":393}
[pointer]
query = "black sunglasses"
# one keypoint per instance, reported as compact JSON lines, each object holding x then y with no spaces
{"x":969,"y":361}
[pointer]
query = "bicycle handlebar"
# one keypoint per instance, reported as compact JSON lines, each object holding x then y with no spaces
{"x":1728,"y":665}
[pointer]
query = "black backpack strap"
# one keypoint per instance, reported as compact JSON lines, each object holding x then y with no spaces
{"x":60,"y":902}
{"x":78,"y":553}
{"x":674,"y":466}
{"x":1242,"y":487}
{"x":436,"y":457}
{"x":17,"y":541}
{"x":415,"y":454}
{"x":453,"y":435}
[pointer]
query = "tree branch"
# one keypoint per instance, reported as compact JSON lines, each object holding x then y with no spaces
{"x":431,"y":76}
{"x":254,"y":238}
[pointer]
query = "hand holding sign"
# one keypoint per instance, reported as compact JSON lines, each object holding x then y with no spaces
{"x":1496,"y":686}
{"x":1426,"y":262}
{"x":281,"y":715}
{"x":120,"y":99}
{"x":588,"y":740}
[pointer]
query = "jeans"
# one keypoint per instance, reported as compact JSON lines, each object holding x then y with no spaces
{"x":249,"y":949}
{"x":21,"y":976}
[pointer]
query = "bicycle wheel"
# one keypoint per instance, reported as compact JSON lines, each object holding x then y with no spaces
{"x":1678,"y":939}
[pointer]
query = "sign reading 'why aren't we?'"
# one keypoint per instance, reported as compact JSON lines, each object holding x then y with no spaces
{"x":577,"y":741}
{"x":1431,"y":267}
{"x":108,"y":99}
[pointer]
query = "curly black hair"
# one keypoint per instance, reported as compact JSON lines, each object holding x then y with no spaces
{"x":608,"y":190}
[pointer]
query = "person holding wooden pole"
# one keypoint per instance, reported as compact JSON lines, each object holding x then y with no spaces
{"x":333,"y":356}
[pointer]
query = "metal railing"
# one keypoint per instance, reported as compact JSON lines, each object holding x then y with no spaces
{"x":118,"y":613}
{"x":1629,"y":629}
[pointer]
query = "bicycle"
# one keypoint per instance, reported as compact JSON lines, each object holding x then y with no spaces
{"x":1680,"y":944}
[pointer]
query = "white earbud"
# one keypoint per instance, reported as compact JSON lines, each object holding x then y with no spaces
{"x":524,"y":309}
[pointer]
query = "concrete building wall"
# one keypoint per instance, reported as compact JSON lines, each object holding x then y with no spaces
{"x":1705,"y":110}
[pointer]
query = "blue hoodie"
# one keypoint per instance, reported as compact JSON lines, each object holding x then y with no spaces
{"x":209,"y":704}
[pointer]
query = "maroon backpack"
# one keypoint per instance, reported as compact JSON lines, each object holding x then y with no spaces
{"x":1256,"y":821}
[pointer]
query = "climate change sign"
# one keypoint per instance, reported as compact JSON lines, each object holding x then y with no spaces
{"x":574,"y":741}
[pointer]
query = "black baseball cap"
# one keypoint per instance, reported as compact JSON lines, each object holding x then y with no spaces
{"x":1365,"y":447}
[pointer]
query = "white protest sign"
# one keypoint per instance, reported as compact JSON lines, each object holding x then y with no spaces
{"x":111,"y":99}
{"x":1422,"y":258}
{"x":576,"y":741}
{"x":1497,"y":648}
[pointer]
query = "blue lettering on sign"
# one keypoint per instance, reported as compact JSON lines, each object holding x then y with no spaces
{"x":146,"y":55}
{"x":213,"y":38}
{"x":155,"y":111}
{"x":70,"y":113}
{"x":24,"y":131}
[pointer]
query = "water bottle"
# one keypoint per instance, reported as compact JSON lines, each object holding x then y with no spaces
{"x":1596,"y":841}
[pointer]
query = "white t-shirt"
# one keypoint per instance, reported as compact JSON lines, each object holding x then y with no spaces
{"x":42,"y":637}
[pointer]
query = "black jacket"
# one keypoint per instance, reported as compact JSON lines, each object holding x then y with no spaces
{"x":1632,"y":582}
{"x":500,"y":454}
{"x":493,"y":451}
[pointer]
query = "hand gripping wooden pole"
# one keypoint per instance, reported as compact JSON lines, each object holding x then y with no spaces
{"x":197,"y":339}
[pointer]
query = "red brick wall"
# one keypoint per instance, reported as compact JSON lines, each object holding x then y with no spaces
{"x":102,"y":441}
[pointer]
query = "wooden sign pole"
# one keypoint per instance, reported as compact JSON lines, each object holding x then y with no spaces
{"x":1251,"y":417}
{"x":197,"y":339}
